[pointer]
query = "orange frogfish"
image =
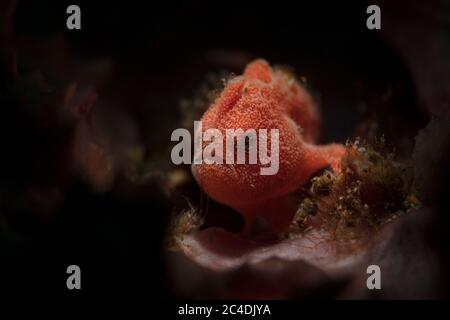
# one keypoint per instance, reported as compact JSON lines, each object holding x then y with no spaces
{"x":266,"y":98}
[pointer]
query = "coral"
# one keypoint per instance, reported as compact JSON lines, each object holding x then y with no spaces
{"x":182,"y":224}
{"x":371,"y":189}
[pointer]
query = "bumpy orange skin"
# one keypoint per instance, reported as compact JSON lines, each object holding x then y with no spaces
{"x":263,"y":98}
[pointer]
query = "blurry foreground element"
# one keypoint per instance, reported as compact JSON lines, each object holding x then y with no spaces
{"x":73,"y":184}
